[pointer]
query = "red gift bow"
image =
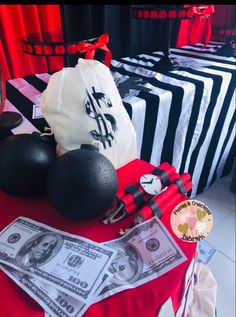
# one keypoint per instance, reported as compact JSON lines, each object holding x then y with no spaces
{"x":198,"y":14}
{"x":90,"y":49}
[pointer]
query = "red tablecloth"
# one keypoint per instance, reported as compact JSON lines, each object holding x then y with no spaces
{"x":144,"y":300}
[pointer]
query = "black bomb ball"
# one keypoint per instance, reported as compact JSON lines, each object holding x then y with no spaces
{"x":82,"y":183}
{"x":24,"y":164}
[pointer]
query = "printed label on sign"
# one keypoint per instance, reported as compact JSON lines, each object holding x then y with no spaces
{"x":191,"y":220}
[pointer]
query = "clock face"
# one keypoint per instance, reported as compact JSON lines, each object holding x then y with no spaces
{"x":151,"y":184}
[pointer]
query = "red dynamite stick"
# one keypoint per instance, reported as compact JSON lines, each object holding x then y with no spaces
{"x":171,"y":205}
{"x":131,"y":206}
{"x":147,"y":213}
{"x":166,"y":167}
{"x":173,"y":188}
{"x":176,"y":199}
{"x":129,"y":198}
{"x":165,"y":196}
{"x":135,"y":196}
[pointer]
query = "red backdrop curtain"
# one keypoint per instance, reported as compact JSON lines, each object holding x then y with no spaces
{"x":17,"y":21}
{"x":223,"y":16}
{"x":76,"y":23}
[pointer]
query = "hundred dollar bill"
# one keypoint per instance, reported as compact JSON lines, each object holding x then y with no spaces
{"x":53,"y":301}
{"x":147,"y":251}
{"x":205,"y":252}
{"x":73,"y":264}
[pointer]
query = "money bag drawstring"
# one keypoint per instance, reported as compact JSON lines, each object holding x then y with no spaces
{"x":45,"y":133}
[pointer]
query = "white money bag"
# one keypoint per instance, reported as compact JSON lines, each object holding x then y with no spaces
{"x":82,"y":105}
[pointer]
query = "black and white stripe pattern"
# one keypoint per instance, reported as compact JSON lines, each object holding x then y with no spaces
{"x":187,"y":118}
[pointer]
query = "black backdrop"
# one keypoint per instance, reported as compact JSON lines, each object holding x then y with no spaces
{"x":128,"y":36}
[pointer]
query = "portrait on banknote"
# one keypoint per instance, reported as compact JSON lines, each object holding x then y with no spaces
{"x":39,"y":250}
{"x":127,"y":265}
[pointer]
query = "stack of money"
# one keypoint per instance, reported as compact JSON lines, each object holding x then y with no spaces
{"x":65,"y":273}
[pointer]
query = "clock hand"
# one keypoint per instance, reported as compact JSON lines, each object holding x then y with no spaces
{"x":150,"y":182}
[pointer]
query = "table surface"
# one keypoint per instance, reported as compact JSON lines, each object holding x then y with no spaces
{"x":145,"y":299}
{"x":185,"y":117}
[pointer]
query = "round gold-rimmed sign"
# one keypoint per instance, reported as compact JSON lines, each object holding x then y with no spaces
{"x":191,"y":220}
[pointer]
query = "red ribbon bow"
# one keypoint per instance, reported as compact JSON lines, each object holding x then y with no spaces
{"x":90,"y":49}
{"x":198,"y":13}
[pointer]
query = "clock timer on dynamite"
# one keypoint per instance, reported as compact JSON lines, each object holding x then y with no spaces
{"x":151,"y":184}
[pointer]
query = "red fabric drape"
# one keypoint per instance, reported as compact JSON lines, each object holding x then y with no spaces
{"x":223,"y":16}
{"x":195,"y":30}
{"x":18,"y":21}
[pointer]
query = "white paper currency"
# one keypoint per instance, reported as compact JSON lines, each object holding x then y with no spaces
{"x":205,"y":252}
{"x":53,"y":301}
{"x":143,"y":254}
{"x":72,"y":264}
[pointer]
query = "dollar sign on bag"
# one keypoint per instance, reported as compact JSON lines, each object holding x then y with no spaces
{"x":106,"y":122}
